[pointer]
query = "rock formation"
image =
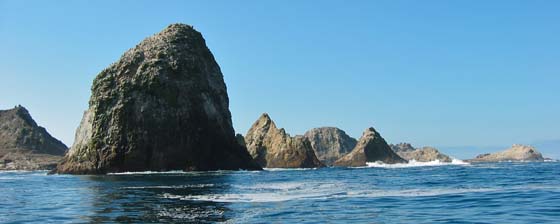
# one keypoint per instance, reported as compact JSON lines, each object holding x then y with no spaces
{"x":515,"y":153}
{"x":162,"y":106}
{"x":330,"y":143}
{"x":24,"y":145}
{"x":424,"y":154}
{"x":274,"y":148}
{"x":402,"y":147}
{"x":370,"y":148}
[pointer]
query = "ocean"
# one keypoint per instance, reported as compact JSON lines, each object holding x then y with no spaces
{"x":509,"y":192}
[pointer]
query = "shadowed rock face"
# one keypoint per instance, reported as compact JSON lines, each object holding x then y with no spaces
{"x":24,"y":145}
{"x":424,"y":154}
{"x":330,"y":143}
{"x":273,"y":148}
{"x":162,"y":106}
{"x":515,"y":153}
{"x":370,"y":148}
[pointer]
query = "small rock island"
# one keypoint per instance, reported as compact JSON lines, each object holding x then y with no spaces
{"x":274,"y":148}
{"x":517,"y":152}
{"x":370,"y":148}
{"x":330,"y":143}
{"x":24,"y":145}
{"x":424,"y":154}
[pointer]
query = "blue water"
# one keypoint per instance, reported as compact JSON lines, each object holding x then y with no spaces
{"x":481,"y":193}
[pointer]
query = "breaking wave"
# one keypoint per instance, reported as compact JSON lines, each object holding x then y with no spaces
{"x":149,"y":172}
{"x":414,"y":163}
{"x":321,"y":194}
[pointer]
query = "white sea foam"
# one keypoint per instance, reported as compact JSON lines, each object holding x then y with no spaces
{"x":414,"y":163}
{"x":171,"y":186}
{"x":318,"y":194}
{"x":288,"y":169}
{"x":149,"y":172}
{"x":269,"y":192}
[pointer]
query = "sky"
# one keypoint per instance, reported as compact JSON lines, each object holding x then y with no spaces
{"x":465,"y":76}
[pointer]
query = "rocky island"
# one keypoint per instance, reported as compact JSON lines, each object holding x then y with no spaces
{"x":24,"y":145}
{"x":517,"y":152}
{"x":424,"y":154}
{"x":162,"y":106}
{"x":370,"y":148}
{"x":330,"y":143}
{"x":274,"y":148}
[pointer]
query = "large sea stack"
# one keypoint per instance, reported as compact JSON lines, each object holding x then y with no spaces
{"x":515,"y":153}
{"x":330,"y":143}
{"x":274,"y":148}
{"x":24,"y":145}
{"x":370,"y":148}
{"x":163,"y":106}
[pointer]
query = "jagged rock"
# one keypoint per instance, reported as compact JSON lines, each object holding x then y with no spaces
{"x":162,"y":106}
{"x":402,"y":147}
{"x":24,"y":145}
{"x":515,"y":153}
{"x":330,"y":143}
{"x":424,"y":154}
{"x":370,"y":148}
{"x":274,"y":148}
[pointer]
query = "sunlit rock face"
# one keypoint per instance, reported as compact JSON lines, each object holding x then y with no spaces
{"x":330,"y":143}
{"x":371,"y":147}
{"x":515,"y":153}
{"x":274,"y":148}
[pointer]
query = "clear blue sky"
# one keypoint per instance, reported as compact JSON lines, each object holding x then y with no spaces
{"x":442,"y":73}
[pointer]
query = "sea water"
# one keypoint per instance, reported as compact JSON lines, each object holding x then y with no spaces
{"x":415,"y":193}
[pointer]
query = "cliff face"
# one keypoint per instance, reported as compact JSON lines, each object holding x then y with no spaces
{"x":515,"y":153}
{"x":424,"y":154}
{"x":24,"y":145}
{"x":330,"y":143}
{"x":273,"y":148}
{"x":370,"y":148}
{"x":162,"y":106}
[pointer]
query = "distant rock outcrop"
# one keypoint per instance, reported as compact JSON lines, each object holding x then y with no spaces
{"x":424,"y":154}
{"x":162,"y":106}
{"x":515,"y":153}
{"x":330,"y":143}
{"x":370,"y":148}
{"x":24,"y":145}
{"x":274,"y":148}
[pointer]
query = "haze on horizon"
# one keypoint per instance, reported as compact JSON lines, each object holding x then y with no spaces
{"x":467,"y":77}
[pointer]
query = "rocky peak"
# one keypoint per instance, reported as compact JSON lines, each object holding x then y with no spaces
{"x":162,"y":106}
{"x":371,"y":147}
{"x":330,"y":143}
{"x":25,"y":145}
{"x":274,"y":148}
{"x":18,"y":131}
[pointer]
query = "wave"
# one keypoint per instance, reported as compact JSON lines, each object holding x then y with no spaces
{"x":23,"y":171}
{"x":171,"y":186}
{"x":288,"y":169}
{"x":309,"y":194}
{"x":150,"y":172}
{"x":414,"y":163}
